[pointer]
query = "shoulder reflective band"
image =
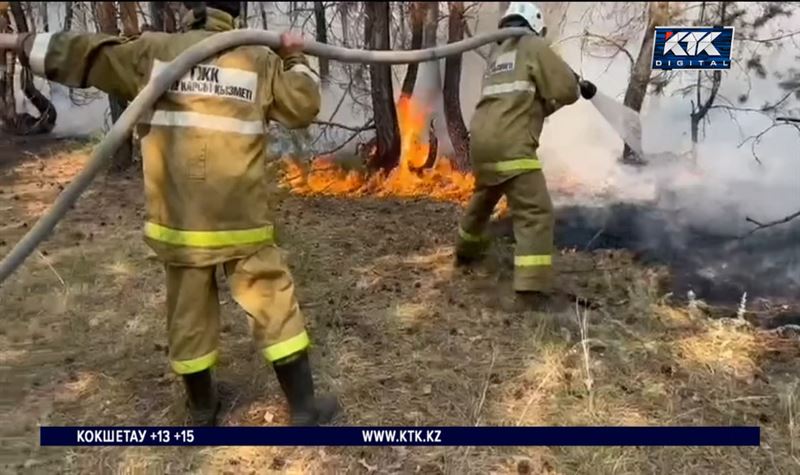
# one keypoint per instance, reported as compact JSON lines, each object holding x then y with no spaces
{"x":41,"y":43}
{"x":505,"y":88}
{"x":281,"y":350}
{"x":178,"y":237}
{"x":533,"y":261}
{"x":515,"y":165}
{"x":196,"y":365}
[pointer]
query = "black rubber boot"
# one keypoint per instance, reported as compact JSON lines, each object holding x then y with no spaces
{"x":465,"y":261}
{"x":542,"y":301}
{"x":294,"y":375}
{"x":202,"y":398}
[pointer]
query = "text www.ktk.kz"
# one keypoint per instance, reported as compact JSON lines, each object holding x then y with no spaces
{"x":402,"y":436}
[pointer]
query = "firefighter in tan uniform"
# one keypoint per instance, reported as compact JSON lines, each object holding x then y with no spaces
{"x":203,"y":150}
{"x":526,"y":82}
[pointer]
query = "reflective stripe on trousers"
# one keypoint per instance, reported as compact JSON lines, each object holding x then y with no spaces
{"x":533,"y":260}
{"x":178,"y":237}
{"x":195,"y":365}
{"x":281,"y":350}
{"x":518,"y":164}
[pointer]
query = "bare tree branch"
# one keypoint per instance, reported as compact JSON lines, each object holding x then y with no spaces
{"x":326,"y":123}
{"x":616,"y":44}
{"x":774,"y":38}
{"x":760,"y":225}
{"x":368,"y":126}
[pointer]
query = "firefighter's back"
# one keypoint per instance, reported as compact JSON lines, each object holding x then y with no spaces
{"x":504,"y":124}
{"x":203,"y":154}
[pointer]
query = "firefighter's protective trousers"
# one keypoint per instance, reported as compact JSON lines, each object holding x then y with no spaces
{"x":261,"y":284}
{"x":532,"y":215}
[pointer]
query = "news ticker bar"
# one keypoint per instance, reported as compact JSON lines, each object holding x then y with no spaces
{"x":400,"y":436}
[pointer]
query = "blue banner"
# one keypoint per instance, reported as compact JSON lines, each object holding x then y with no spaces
{"x":401,"y":436}
{"x":689,"y":47}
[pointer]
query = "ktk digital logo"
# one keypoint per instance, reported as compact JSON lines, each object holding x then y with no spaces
{"x":692,"y":47}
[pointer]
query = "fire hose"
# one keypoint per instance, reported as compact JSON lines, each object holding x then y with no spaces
{"x":159,"y":84}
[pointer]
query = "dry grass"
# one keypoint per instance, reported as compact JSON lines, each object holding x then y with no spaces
{"x":401,"y":335}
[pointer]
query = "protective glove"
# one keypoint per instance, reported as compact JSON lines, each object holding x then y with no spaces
{"x":588,"y":89}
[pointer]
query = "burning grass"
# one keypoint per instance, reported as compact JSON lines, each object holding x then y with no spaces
{"x":410,"y":179}
{"x":400,"y":334}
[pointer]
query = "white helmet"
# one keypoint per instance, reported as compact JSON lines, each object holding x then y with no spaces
{"x":527,"y":11}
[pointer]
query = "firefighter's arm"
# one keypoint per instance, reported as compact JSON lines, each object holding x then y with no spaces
{"x":110,"y":63}
{"x":555,"y":81}
{"x":293,"y":98}
{"x":295,"y":93}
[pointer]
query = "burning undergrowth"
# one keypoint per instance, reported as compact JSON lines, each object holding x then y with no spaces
{"x":420,"y":172}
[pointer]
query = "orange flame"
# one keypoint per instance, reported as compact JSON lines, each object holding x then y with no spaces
{"x":442,"y":181}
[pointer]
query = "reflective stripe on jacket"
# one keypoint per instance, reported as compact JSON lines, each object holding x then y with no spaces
{"x":524,"y":83}
{"x":203,"y":144}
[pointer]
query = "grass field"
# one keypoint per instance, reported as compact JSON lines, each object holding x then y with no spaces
{"x":400,"y":334}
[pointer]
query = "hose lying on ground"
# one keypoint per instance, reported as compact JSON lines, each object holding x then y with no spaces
{"x":180,"y":66}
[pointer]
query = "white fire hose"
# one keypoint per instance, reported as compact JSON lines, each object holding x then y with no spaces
{"x":207,"y":48}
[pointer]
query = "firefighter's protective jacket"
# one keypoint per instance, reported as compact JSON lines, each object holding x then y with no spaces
{"x":204,"y":143}
{"x":525,"y":82}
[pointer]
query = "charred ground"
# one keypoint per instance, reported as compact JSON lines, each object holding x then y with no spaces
{"x":400,"y":334}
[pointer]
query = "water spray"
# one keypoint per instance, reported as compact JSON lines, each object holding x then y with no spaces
{"x":625,"y":121}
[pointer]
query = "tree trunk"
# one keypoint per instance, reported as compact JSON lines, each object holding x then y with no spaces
{"x":43,"y":11}
{"x":67,"y":16}
{"x":263,"y":11}
{"x":640,"y":80}
{"x":129,"y":18}
{"x":344,"y":15}
{"x":24,"y":123}
{"x":243,"y":14}
{"x":9,"y":101}
{"x":162,"y":16}
{"x":459,"y":135}
{"x":322,"y":37}
{"x":433,"y":145}
{"x":106,"y":15}
{"x":387,"y":131}
{"x":418,"y":10}
{"x":701,"y":108}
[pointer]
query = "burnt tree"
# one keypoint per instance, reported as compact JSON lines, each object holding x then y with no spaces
{"x":129,"y":18}
{"x":263,"y":11}
{"x":68,"y":13}
{"x":45,"y":15}
{"x":243,"y":14}
{"x":459,"y":135}
{"x":417,"y":10}
{"x":162,"y":17}
{"x":322,"y":37}
{"x":7,"y":98}
{"x":106,"y":16}
{"x":24,"y":123}
{"x":387,"y":130}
